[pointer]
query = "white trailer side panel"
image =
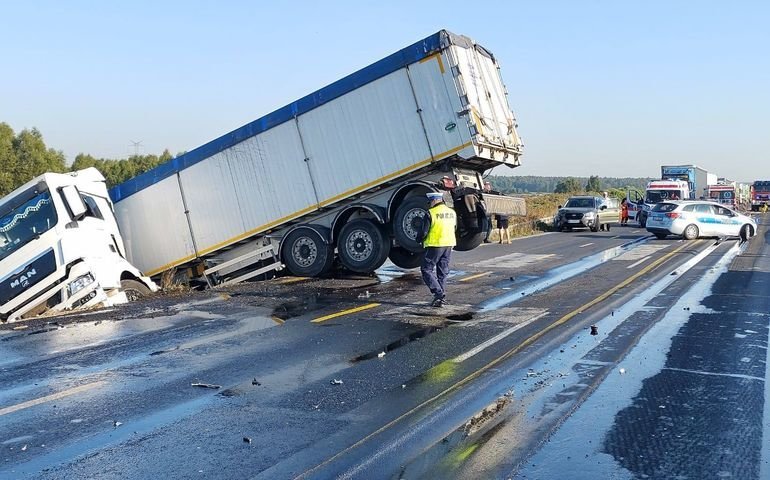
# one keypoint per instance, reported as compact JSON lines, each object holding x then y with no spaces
{"x":364,"y":137}
{"x":242,"y":189}
{"x":158,"y":208}
{"x":439,"y":102}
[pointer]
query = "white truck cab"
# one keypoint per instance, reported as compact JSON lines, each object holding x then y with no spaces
{"x":60,"y":248}
{"x":658,"y":191}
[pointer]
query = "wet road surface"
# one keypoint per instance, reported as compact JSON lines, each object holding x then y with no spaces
{"x":360,"y":378}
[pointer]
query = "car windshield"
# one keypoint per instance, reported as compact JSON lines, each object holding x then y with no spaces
{"x":580,"y":203}
{"x":25,"y":221}
{"x":664,"y":207}
{"x":657,"y":196}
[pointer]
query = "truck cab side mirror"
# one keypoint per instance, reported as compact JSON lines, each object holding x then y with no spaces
{"x":74,"y":202}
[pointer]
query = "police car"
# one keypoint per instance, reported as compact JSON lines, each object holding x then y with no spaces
{"x":693,"y":219}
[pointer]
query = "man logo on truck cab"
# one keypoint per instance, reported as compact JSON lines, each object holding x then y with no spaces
{"x":23,"y":280}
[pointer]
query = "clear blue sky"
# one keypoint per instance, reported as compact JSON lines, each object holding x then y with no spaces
{"x":613,"y":88}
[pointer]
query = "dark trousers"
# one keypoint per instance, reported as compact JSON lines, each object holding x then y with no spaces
{"x":435,"y":268}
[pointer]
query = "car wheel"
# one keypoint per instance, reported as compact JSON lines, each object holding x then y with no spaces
{"x":747,"y":231}
{"x":690,"y":232}
{"x":661,"y":236}
{"x":596,"y":226}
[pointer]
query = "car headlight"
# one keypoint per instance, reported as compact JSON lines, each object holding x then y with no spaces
{"x":589,"y":214}
{"x":80,"y":283}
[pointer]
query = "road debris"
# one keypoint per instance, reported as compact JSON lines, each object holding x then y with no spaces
{"x":594,"y":330}
{"x":24,"y":448}
{"x":116,"y":424}
{"x":246,"y":440}
{"x":336,"y":382}
{"x":622,"y":371}
{"x":365,"y":295}
{"x":21,"y":327}
{"x":381,"y":354}
{"x":206,"y":385}
{"x":254,"y":381}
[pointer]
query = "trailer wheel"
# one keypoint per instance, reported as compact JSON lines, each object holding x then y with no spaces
{"x":362,"y":246}
{"x":469,"y":241}
{"x":306,"y":254}
{"x":403,"y":258}
{"x":134,"y":289}
{"x":407,"y":223}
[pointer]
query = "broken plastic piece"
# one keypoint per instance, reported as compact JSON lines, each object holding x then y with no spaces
{"x":255,"y":382}
{"x":336,"y":382}
{"x":247,"y":439}
{"x":594,"y":330}
{"x":381,"y":354}
{"x":206,"y":385}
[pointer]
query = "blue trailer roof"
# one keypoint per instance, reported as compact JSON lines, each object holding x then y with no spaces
{"x":413,"y":53}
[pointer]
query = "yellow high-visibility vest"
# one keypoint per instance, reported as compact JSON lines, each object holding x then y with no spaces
{"x":443,"y":223}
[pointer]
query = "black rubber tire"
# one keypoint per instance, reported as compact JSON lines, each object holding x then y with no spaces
{"x":661,"y":236}
{"x":690,"y":232}
{"x":747,"y":231}
{"x":306,"y":254}
{"x":470,"y":241}
{"x":596,"y":226}
{"x":403,"y":258}
{"x":362,"y":246}
{"x":134,"y":289}
{"x":407,"y":223}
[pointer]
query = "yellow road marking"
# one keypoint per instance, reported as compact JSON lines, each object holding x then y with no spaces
{"x":49,"y":398}
{"x":499,"y":359}
{"x":473,"y":277}
{"x":291,"y":280}
{"x":345,"y":312}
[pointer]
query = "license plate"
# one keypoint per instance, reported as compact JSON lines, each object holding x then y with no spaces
{"x":658,"y":218}
{"x":573,"y":221}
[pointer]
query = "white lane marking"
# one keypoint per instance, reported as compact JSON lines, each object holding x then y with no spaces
{"x":52,"y":397}
{"x":616,"y":236}
{"x":642,"y":251}
{"x":586,"y":245}
{"x":717,"y":374}
{"x":638,"y":262}
{"x":480,"y":347}
{"x":512,"y":260}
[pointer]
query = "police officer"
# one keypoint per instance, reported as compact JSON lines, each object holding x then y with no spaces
{"x":439,"y":229}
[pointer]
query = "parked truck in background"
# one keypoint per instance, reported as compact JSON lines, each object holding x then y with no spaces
{"x":659,"y":191}
{"x":724,"y":192}
{"x":340,"y":174}
{"x":60,"y":248}
{"x":697,"y":178}
{"x":760,"y":194}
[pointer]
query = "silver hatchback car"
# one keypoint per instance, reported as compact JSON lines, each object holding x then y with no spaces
{"x":693,"y":219}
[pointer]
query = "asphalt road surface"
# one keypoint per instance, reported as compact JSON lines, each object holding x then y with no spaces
{"x":565,"y":355}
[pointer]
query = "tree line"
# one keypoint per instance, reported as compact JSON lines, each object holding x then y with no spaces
{"x":571,"y":185}
{"x":24,"y":155}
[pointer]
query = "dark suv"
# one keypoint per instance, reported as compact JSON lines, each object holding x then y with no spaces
{"x":586,"y":211}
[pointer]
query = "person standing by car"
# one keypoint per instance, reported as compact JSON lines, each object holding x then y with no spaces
{"x":502,"y":225}
{"x":624,"y":212}
{"x":439,"y":238}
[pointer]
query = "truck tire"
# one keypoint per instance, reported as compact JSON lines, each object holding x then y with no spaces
{"x":469,"y":241}
{"x":403,"y":258}
{"x":134,"y":289}
{"x":362,"y":246}
{"x":306,"y":253}
{"x":407,"y":223}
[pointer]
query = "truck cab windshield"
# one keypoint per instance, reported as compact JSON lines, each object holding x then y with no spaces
{"x":657,"y":196}
{"x":22,"y":222}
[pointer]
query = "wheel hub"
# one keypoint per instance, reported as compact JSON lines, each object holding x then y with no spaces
{"x":304,"y":252}
{"x":359,"y":245}
{"x":412,"y":222}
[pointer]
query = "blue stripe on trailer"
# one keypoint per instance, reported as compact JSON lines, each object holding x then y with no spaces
{"x":411,"y":54}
